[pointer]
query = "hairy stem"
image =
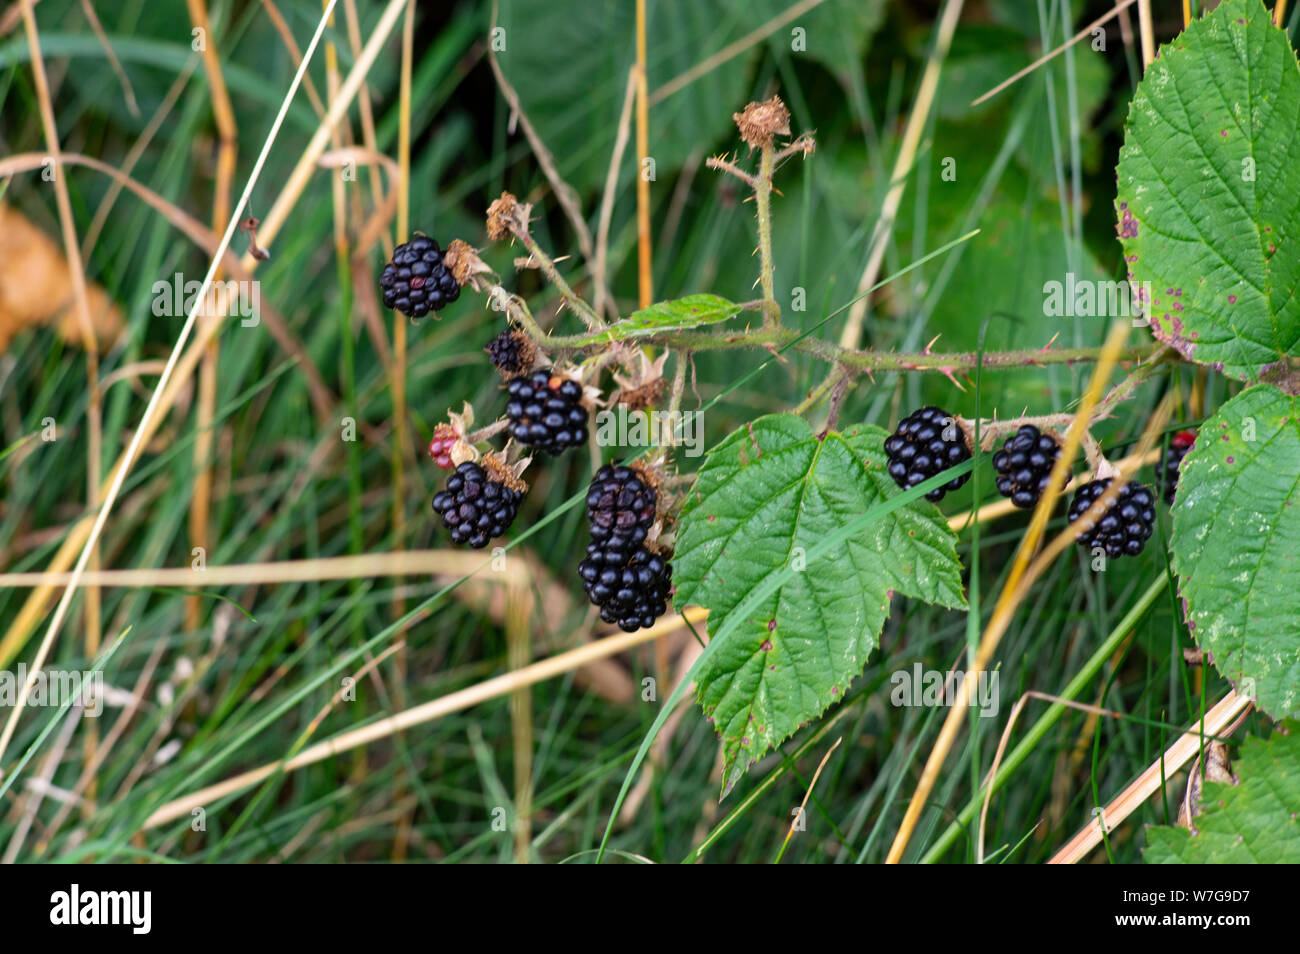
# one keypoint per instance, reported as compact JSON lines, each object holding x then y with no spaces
{"x":778,"y":338}
{"x":763,"y":203}
{"x":583,"y":310}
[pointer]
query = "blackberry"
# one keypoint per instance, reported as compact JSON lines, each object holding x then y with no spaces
{"x":511,"y":353}
{"x":417,"y":281}
{"x":1170,"y":461}
{"x":1125,"y":527}
{"x":632,"y":592}
{"x":545,"y":411}
{"x":918,"y":450}
{"x":620,"y":508}
{"x":1024,"y":465}
{"x":476,"y":507}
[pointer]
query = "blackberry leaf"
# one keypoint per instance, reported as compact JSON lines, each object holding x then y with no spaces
{"x":1252,"y":822}
{"x":1206,"y":209}
{"x":764,"y":498}
{"x":1235,"y":544}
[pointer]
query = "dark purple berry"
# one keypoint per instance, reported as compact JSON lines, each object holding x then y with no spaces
{"x":927,"y":442}
{"x":1125,"y":527}
{"x":1024,"y":465}
{"x":621,"y":508}
{"x":475,"y":507}
{"x":631,"y":592}
{"x":511,"y":353}
{"x":417,"y":281}
{"x":545,"y":411}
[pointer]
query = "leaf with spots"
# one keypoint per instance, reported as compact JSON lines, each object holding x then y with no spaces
{"x":1256,"y":821}
{"x":764,"y":498}
{"x":1236,"y":545}
{"x":1208,"y":179}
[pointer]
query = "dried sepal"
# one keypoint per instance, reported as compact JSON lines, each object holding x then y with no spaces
{"x":507,"y":216}
{"x":760,"y":123}
{"x":463,"y":262}
{"x":509,"y":474}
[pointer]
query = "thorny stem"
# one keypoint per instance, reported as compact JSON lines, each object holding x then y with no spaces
{"x":722,"y":165}
{"x":815,"y":395}
{"x":991,"y":430}
{"x":763,"y":203}
{"x":679,"y":383}
{"x":838,"y":393}
{"x":583,"y":310}
{"x":847,"y":362}
{"x":770,"y":339}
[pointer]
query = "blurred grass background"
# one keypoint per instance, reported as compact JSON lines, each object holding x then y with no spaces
{"x":1034,"y":171}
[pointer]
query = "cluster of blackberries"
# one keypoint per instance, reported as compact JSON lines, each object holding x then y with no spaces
{"x":476,"y":507}
{"x":1170,"y":461}
{"x":930,"y":441}
{"x":1025,"y":464}
{"x":621,"y":575}
{"x":926,"y":443}
{"x":545,"y":411}
{"x":417,"y":280}
{"x":1124,"y":527}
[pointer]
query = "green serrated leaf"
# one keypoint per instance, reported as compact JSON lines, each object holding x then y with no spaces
{"x":1208,"y":181}
{"x":1256,"y":821}
{"x":765,"y":497}
{"x":1236,"y":545}
{"x":689,"y":312}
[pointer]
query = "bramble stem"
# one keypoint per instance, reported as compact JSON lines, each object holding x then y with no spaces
{"x":722,"y":165}
{"x":838,"y":393}
{"x":778,"y":338}
{"x":763,"y":203}
{"x":583,"y":310}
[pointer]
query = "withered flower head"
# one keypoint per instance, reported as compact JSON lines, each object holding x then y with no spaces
{"x":507,"y":215}
{"x":759,"y":123}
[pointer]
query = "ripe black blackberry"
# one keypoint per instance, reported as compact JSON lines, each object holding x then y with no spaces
{"x":621,"y":506}
{"x":511,"y":353}
{"x":1170,"y":462}
{"x":476,"y":506}
{"x":417,"y":281}
{"x":1024,"y":465}
{"x":919,"y":449}
{"x":632,"y":592}
{"x":1124,"y":528}
{"x":545,"y":411}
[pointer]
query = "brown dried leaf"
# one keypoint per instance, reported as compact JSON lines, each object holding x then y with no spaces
{"x":36,"y":287}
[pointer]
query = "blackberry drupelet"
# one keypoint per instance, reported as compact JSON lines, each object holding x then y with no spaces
{"x":621,"y":508}
{"x":1124,"y":528}
{"x":417,"y":281}
{"x":545,"y":411}
{"x":476,"y":507}
{"x":919,"y":449}
{"x":1170,"y":461}
{"x":1024,"y":465}
{"x":633,"y":593}
{"x":511,"y":353}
